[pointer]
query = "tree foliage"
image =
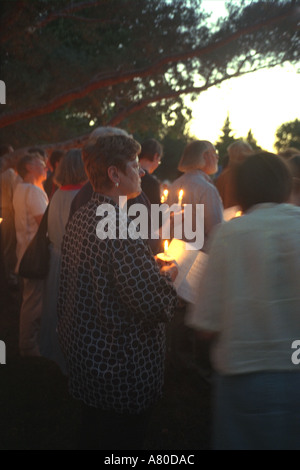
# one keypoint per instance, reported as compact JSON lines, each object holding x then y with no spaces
{"x":226,"y":138}
{"x":288,"y":135}
{"x":252,"y":141}
{"x":68,"y":64}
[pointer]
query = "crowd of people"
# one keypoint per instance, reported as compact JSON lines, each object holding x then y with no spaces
{"x":102,"y":312}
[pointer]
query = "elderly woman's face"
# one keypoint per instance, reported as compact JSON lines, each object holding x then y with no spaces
{"x":130,"y":181}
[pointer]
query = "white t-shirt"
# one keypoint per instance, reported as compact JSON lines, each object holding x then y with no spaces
{"x":29,"y":201}
{"x":250,"y":292}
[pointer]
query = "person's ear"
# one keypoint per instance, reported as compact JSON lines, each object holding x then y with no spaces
{"x":113,"y":174}
{"x":206,"y":156}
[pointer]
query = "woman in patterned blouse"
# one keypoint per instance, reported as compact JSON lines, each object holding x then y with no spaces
{"x":113,"y":306}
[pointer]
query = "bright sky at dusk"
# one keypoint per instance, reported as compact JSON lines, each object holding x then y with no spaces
{"x":260,"y":101}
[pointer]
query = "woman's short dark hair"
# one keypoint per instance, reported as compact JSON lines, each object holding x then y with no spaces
{"x":55,"y":158}
{"x":294,"y":165}
{"x":109,"y":150}
{"x":150,"y":147}
{"x":263,"y":177}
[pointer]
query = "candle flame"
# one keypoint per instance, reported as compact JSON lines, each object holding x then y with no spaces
{"x":1,"y":220}
{"x":180,"y":195}
{"x":166,"y":246}
{"x":239,"y":214}
{"x":164,"y":196}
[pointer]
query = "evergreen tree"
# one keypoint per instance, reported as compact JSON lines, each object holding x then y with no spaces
{"x":252,"y":141}
{"x":227,"y":137}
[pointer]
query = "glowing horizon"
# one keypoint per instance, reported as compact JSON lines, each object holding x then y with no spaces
{"x":261,"y":101}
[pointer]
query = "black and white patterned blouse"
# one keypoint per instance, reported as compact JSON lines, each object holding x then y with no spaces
{"x":112,"y":308}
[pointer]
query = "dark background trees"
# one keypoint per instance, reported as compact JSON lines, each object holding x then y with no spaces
{"x":70,"y":66}
{"x":288,"y":135}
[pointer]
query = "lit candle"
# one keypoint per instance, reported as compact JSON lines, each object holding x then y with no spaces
{"x":164,"y":256}
{"x":180,"y":196}
{"x":164,"y":196}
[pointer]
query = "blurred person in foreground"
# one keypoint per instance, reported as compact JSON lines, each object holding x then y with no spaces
{"x":294,"y":165}
{"x":249,"y":304}
{"x":30,"y":202}
{"x":225,"y":183}
{"x":113,"y":306}
{"x":69,"y":177}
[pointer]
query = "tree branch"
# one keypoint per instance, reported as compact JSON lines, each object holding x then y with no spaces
{"x":79,"y":142}
{"x":104,"y":81}
{"x":119,"y":117}
{"x":84,"y":19}
{"x":70,"y":9}
{"x":64,"y":13}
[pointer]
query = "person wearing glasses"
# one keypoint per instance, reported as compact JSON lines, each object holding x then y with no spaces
{"x":113,"y":306}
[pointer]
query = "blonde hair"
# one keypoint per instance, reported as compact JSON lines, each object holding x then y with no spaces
{"x":193,"y":156}
{"x":239,"y":151}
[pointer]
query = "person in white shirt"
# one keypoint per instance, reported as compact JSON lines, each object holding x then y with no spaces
{"x":30,"y":202}
{"x":249,"y":304}
{"x":198,"y":162}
